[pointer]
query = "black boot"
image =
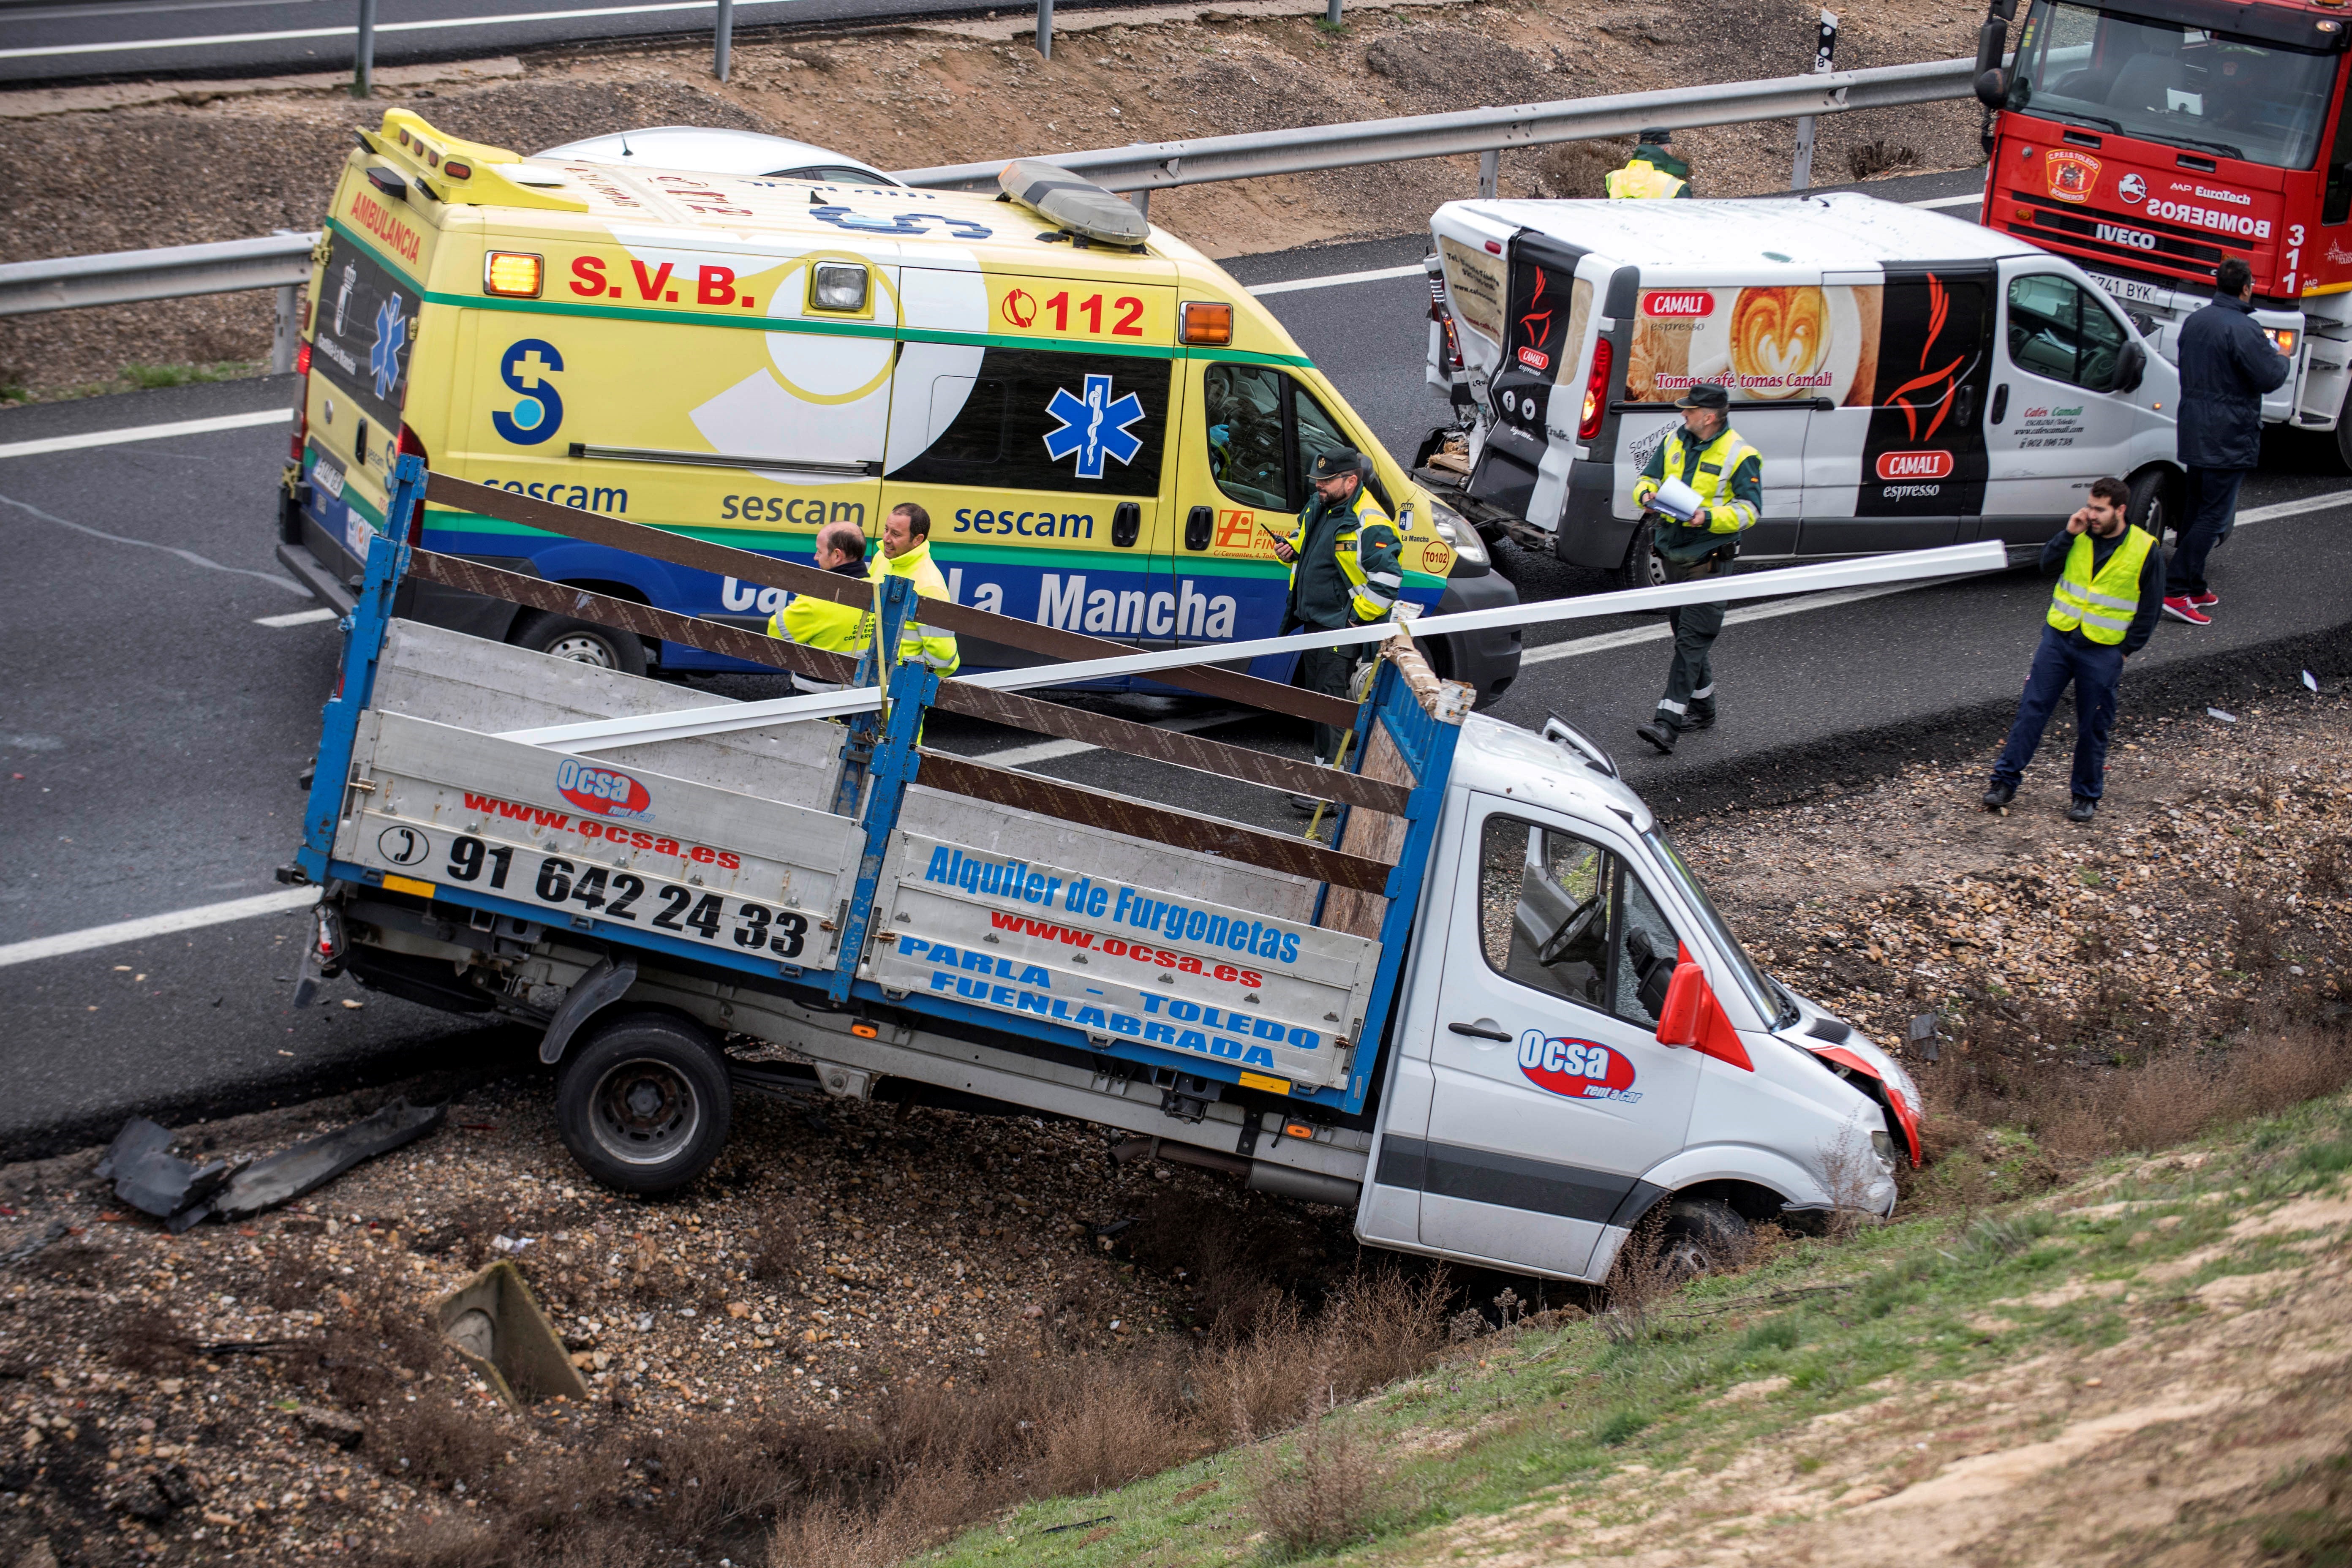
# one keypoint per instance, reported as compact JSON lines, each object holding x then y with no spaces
{"x":1999,"y":793}
{"x":1702,"y":716}
{"x":1660,"y":732}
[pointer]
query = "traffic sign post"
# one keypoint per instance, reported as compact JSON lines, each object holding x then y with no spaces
{"x":363,"y":59}
{"x":723,"y":45}
{"x":1801,"y":177}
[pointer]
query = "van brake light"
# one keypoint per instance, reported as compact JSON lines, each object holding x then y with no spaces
{"x":302,"y":359}
{"x":1596,"y":392}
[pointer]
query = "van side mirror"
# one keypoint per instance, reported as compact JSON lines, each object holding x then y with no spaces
{"x":1687,"y":996}
{"x":2131,"y":365}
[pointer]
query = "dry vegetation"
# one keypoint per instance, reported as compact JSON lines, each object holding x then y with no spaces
{"x":914,"y":96}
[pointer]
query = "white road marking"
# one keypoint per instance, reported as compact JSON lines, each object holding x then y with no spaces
{"x":1376,"y":275}
{"x":299,"y":618}
{"x":521,"y":16}
{"x":2295,"y":508}
{"x":1973,"y":199}
{"x":190,"y":556}
{"x":147,"y":432}
{"x":1049,"y":750}
{"x":157,"y":925}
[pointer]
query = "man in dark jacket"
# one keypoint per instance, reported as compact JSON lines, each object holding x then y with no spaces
{"x":2110,"y":584}
{"x":2226,"y":366}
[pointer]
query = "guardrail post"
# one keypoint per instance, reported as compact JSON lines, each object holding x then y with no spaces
{"x":723,"y":45}
{"x":1141,"y":199}
{"x":1331,"y":15}
{"x":1046,"y":28}
{"x":1490,"y":173}
{"x":363,"y":58}
{"x":289,"y":329}
{"x":1801,"y":175}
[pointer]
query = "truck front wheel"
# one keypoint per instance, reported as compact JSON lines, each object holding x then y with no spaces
{"x":644,"y":1103}
{"x":1703,"y":1235}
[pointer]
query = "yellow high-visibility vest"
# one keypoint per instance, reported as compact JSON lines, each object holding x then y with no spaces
{"x":2101,"y":602}
{"x":934,"y":645}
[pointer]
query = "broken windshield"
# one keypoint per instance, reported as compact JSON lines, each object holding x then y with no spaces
{"x":2165,"y":81}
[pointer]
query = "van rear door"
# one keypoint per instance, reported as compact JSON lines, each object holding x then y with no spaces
{"x":1537,"y":395}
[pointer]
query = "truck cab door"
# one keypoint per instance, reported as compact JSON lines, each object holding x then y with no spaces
{"x":1899,"y":463}
{"x":2055,"y":422}
{"x":1549,"y":1094}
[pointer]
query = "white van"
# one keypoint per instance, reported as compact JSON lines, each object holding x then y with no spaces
{"x":1912,"y":380}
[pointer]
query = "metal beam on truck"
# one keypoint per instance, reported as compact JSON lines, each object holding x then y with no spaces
{"x":1917,"y":566}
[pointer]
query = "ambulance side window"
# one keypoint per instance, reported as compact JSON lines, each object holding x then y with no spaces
{"x":1565,"y":917}
{"x":2057,"y":330}
{"x":1243,"y":410}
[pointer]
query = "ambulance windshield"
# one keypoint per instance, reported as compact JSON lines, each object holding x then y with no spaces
{"x":2165,"y":81}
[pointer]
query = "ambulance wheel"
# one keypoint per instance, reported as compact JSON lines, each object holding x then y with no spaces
{"x":1702,"y":1236}
{"x":2154,"y":502}
{"x":1644,"y":567}
{"x":583,"y":642}
{"x":644,"y":1103}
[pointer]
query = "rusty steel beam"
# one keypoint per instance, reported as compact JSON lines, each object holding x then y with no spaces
{"x":724,"y":561}
{"x":624,"y":614}
{"x":1178,"y":830}
{"x":1135,"y":740}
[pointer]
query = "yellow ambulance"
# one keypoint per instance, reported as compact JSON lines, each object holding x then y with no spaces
{"x":1109,"y":438}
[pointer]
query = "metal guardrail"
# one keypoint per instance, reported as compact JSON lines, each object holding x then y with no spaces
{"x":1160,"y":165}
{"x":282,"y":261}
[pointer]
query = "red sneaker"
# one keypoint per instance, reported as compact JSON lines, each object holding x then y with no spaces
{"x":2206,"y":600}
{"x":2184,"y":608}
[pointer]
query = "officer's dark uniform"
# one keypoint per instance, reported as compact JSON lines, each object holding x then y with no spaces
{"x":1344,"y":572}
{"x":1729,"y":476}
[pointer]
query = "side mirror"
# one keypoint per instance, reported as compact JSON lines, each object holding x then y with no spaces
{"x":1687,"y":998}
{"x":2131,"y":365}
{"x":1991,"y":81}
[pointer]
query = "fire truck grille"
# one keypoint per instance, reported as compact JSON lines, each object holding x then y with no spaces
{"x":2126,"y":238}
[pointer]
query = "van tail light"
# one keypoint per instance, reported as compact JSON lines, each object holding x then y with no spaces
{"x":301,"y":404}
{"x":411,"y":446}
{"x":1596,"y":391}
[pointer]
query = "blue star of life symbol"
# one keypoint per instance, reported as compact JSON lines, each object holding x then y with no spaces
{"x":391,"y":337}
{"x":1093,"y":426}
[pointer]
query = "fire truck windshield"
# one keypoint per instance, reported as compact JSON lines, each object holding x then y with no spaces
{"x":2169,"y":82}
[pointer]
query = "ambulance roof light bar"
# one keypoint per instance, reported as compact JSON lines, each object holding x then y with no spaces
{"x":1078,"y":205}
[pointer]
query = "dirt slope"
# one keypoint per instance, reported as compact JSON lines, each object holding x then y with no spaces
{"x":79,"y":180}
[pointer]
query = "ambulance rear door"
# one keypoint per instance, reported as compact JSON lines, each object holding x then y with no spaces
{"x":1895,"y":461}
{"x":1033,"y":421}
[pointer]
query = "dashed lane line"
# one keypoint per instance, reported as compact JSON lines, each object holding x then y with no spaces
{"x":120,"y":931}
{"x":298,"y":617}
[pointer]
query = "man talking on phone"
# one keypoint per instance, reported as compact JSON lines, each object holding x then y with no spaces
{"x":2110,"y":592}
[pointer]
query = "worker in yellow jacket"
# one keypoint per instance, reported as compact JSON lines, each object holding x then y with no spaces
{"x":821,"y":623}
{"x":1652,"y":172}
{"x":906,"y":552}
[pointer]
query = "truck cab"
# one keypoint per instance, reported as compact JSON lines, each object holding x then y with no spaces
{"x":2153,"y":140}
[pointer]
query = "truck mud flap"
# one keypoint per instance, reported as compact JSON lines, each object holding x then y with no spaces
{"x":591,"y":994}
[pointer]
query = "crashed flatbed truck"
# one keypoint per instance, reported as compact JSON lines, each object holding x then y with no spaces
{"x":1496,"y":1017}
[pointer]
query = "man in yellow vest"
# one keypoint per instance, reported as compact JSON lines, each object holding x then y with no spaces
{"x":1727,"y":474}
{"x":820,"y":622}
{"x":1652,"y":172}
{"x":1344,"y":572}
{"x":2110,"y":594}
{"x":906,"y":552}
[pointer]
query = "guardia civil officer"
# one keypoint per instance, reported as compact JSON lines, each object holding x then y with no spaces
{"x":1707,"y":454}
{"x":2110,"y":592}
{"x":1344,"y":572}
{"x":906,"y":552}
{"x":821,"y":623}
{"x":1654,"y":171}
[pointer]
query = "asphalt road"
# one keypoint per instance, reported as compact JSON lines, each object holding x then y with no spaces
{"x":151,"y":730}
{"x":54,"y":40}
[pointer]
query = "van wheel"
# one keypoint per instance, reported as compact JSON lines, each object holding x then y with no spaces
{"x":1644,"y":567}
{"x":1702,"y":1236}
{"x":2343,"y":431}
{"x":584,"y":642}
{"x":2155,"y":503}
{"x":644,"y":1104}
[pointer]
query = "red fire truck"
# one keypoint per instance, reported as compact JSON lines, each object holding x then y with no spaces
{"x":2152,"y":140}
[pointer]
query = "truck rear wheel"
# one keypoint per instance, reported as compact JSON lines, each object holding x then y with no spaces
{"x":1644,"y":567}
{"x":583,"y":642}
{"x":644,"y":1103}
